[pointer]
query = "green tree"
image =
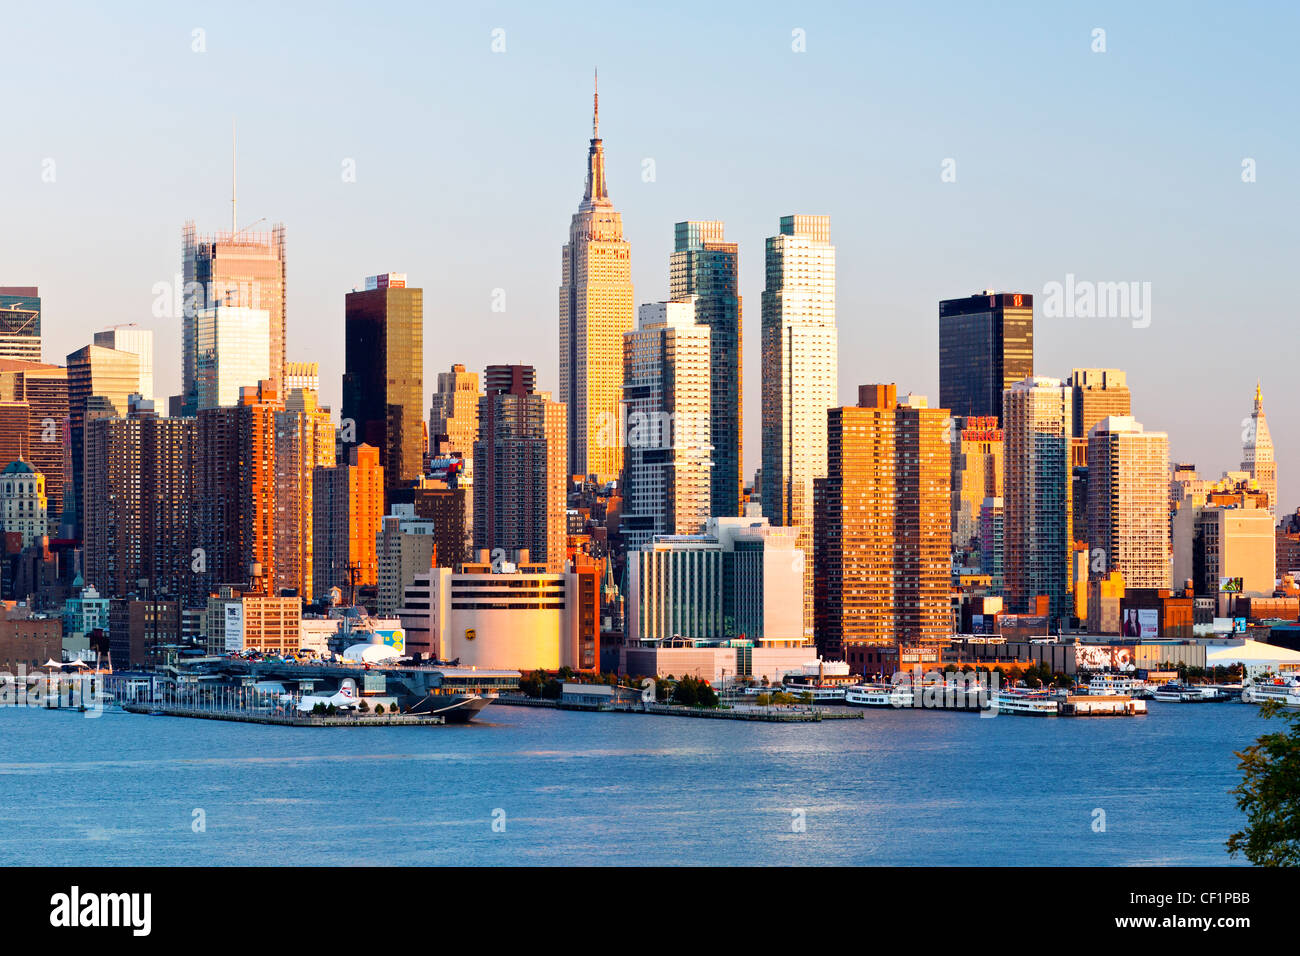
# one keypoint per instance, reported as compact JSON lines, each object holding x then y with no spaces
{"x":686,"y":692}
{"x":531,"y":684}
{"x":379,"y":708}
{"x":1269,"y":794}
{"x":705,"y":695}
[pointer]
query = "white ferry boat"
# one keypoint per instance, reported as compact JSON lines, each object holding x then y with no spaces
{"x":1110,"y":685}
{"x":1178,"y":693}
{"x":878,"y":695}
{"x":1031,"y":703}
{"x":825,"y":681}
{"x":1286,"y":694}
{"x":820,"y":693}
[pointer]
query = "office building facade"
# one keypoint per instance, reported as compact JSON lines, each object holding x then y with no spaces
{"x":707,"y":267}
{"x":20,"y":323}
{"x":1038,"y":504}
{"x":520,"y":480}
{"x":986,"y":344}
{"x":241,"y":269}
{"x":383,"y":381}
{"x":883,"y":551}
{"x":800,"y":376}
{"x":667,"y":423}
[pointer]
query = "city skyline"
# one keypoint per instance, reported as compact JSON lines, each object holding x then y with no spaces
{"x":1103,"y":201}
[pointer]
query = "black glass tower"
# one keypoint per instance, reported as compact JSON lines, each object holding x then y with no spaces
{"x":986,"y":344}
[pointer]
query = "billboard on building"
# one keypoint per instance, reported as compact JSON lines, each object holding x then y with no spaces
{"x":235,"y":626}
{"x":1104,"y":657}
{"x":1142,"y":623}
{"x":1223,"y":625}
{"x":1148,"y":623}
{"x":395,"y":638}
{"x":1231,"y":585}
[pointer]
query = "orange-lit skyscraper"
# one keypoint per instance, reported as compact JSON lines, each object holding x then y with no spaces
{"x":253,"y":487}
{"x":349,"y":507}
{"x":595,"y":312}
{"x":883,"y":565}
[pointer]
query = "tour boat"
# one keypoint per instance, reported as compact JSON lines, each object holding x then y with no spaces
{"x":1109,"y":685}
{"x":879,"y":695}
{"x":1032,"y":703}
{"x":1288,"y":694}
{"x":820,"y":693}
{"x":1175,"y":692}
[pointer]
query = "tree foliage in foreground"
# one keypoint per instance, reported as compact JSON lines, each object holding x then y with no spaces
{"x":1269,"y":794}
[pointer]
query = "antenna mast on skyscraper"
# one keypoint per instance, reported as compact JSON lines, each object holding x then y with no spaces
{"x":595,"y":99}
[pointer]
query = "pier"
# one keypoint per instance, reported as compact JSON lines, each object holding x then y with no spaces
{"x":795,"y":715}
{"x":287,"y":720}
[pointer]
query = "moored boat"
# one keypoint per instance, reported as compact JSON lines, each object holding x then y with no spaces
{"x":1286,"y":694}
{"x":879,"y":695}
{"x":1031,"y":703}
{"x":1176,"y":692}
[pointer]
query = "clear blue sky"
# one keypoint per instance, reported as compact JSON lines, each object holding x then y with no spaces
{"x":1115,"y":166}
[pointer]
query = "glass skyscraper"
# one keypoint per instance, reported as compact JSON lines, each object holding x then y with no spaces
{"x":986,"y":345}
{"x":20,"y":323}
{"x":800,"y":376}
{"x":706,"y":266}
{"x":237,"y":268}
{"x":1038,"y":505}
{"x":383,"y":378}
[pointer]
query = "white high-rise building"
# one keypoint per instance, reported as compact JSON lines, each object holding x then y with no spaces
{"x":800,"y":376}
{"x":666,"y":419}
{"x":739,"y":579}
{"x":233,"y":351}
{"x":1257,"y":452}
{"x":136,"y":340}
{"x":1037,"y":538}
{"x":1128,"y":493}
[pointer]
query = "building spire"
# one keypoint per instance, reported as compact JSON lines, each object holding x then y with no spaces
{"x":596,"y":192}
{"x":233,"y":167}
{"x":595,"y":101}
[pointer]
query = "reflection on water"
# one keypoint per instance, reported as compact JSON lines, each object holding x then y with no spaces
{"x":894,"y":788}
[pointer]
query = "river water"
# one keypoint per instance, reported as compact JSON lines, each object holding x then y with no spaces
{"x":535,"y":787}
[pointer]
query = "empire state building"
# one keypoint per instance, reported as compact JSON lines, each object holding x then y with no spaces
{"x":595,"y":311}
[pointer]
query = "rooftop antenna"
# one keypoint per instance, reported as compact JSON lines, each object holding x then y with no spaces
{"x":595,"y":98}
{"x":233,"y":161}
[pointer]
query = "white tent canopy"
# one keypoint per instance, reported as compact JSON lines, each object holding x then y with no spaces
{"x":371,"y":653}
{"x":1249,"y":652}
